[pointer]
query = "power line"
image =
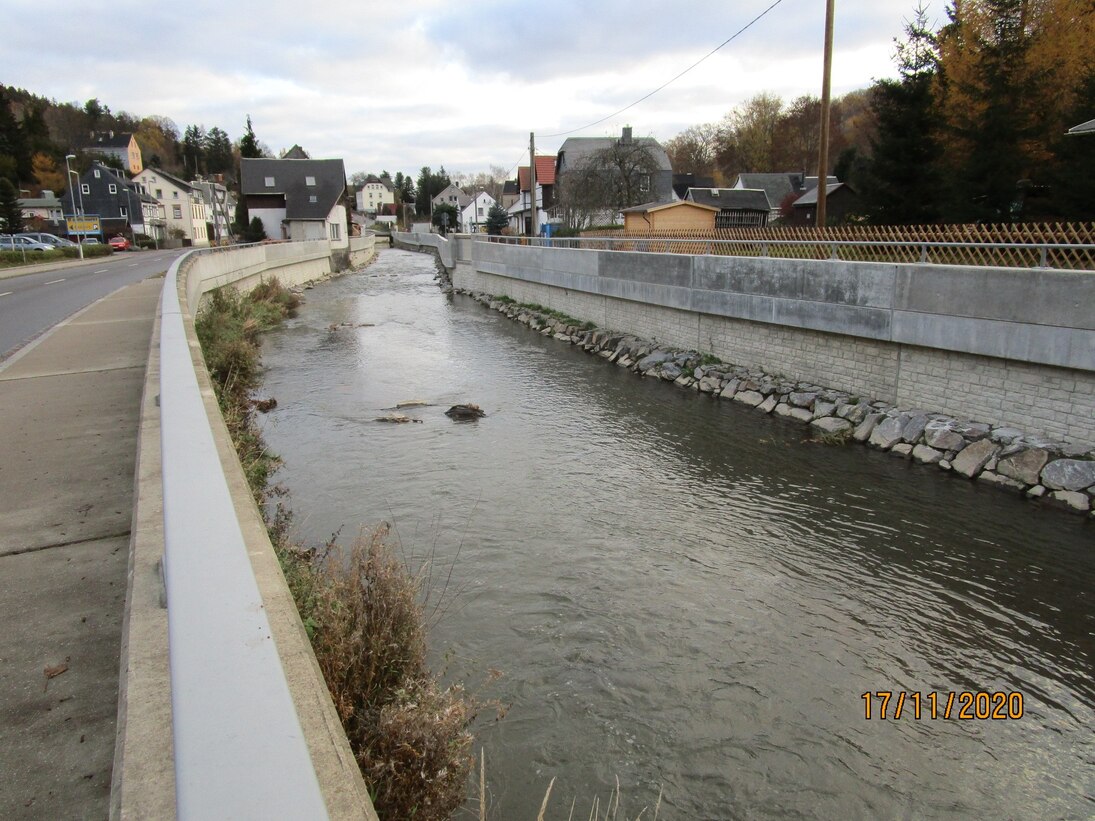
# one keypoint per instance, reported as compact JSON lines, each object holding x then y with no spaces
{"x":725,"y":42}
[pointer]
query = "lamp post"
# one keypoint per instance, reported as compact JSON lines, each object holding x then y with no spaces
{"x":72,"y":192}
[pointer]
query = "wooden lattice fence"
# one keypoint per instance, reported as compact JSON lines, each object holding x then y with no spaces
{"x":1011,"y":245}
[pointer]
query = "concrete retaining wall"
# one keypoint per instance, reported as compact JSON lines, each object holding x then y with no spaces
{"x":362,"y":249}
{"x":1006,"y":346}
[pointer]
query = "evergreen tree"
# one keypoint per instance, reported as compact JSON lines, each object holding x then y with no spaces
{"x":249,"y":144}
{"x":11,"y":215}
{"x":256,"y":232}
{"x":902,"y":183}
{"x":15,"y":159}
{"x":497,"y":219}
{"x":218,"y":152}
{"x":193,"y":150}
{"x":430,"y":184}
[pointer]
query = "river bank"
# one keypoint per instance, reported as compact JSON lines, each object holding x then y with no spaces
{"x":1045,"y":471}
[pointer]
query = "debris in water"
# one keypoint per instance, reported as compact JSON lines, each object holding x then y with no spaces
{"x":397,"y":418}
{"x":265,"y":405}
{"x":465,"y":411}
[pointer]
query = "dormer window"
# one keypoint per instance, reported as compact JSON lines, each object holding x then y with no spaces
{"x":310,"y":181}
{"x":269,"y":182}
{"x":112,"y":188}
{"x":97,"y":174}
{"x":312,"y":198}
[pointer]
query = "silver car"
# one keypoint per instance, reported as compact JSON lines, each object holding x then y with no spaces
{"x":51,"y":240}
{"x":18,"y":243}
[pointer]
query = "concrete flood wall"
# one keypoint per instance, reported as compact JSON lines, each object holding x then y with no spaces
{"x":1007,"y":346}
{"x":143,"y":761}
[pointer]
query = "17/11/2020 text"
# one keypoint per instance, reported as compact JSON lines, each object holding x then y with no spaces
{"x":965,"y":705}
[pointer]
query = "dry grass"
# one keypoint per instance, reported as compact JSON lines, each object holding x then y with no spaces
{"x":410,"y":736}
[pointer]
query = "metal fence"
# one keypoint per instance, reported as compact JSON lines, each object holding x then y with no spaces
{"x":1066,"y":247}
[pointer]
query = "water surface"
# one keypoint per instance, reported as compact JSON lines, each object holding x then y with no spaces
{"x":678,"y":591}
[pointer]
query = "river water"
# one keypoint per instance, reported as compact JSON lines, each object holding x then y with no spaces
{"x":681,"y":592}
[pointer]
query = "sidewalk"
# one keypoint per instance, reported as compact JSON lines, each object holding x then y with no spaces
{"x":69,"y":417}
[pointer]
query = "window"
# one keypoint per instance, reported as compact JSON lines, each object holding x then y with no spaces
{"x":174,"y":195}
{"x":336,"y":233}
{"x":112,"y":188}
{"x":123,"y":211}
{"x":269,"y":182}
{"x":312,"y":198}
{"x":644,"y":182}
{"x":176,"y":211}
{"x":97,"y":174}
{"x":480,"y":210}
{"x":85,"y":188}
{"x":308,"y":181}
{"x":159,"y":193}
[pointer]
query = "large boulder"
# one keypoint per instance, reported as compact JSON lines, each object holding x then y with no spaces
{"x":973,"y":458}
{"x":1025,"y":466}
{"x":1068,"y":474}
{"x":831,"y":424}
{"x":867,"y":426}
{"x":888,"y":432}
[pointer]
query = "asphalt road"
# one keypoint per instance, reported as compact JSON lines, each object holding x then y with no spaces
{"x":33,"y":303}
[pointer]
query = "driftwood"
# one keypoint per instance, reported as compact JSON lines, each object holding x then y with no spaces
{"x":465,"y":411}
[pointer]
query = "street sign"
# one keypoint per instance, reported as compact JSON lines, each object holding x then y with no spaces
{"x":83,"y":225}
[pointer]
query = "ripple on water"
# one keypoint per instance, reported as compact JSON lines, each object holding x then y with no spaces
{"x":682,"y":592}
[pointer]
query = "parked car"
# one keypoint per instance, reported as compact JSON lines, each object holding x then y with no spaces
{"x":90,"y":241}
{"x":17,"y":243}
{"x":120,"y":243}
{"x":48,"y":239}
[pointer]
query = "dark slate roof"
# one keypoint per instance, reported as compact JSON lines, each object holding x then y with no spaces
{"x":775,"y":186}
{"x":289,"y":180}
{"x":576,"y":150}
{"x":810,"y":197}
{"x":296,"y":153}
{"x":682,"y":182}
{"x":738,"y":199}
{"x":510,"y":187}
{"x":109,"y":139}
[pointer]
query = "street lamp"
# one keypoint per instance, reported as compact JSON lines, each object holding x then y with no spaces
{"x":79,"y":239}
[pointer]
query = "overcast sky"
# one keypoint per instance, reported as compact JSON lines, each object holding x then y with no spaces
{"x":399,"y":85}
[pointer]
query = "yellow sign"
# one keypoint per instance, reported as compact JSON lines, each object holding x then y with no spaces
{"x":83,"y":225}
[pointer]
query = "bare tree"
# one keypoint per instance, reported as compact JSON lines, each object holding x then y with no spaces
{"x":693,"y":150}
{"x":607,"y":181}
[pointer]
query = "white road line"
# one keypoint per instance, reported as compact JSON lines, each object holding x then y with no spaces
{"x":7,"y":293}
{"x":101,"y":271}
{"x":133,"y":265}
{"x":53,"y":282}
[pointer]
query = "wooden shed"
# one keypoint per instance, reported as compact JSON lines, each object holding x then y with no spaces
{"x":670,"y":216}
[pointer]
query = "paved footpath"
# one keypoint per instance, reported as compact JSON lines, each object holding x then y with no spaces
{"x":69,"y":416}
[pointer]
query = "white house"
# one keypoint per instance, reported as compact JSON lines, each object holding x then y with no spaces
{"x":473,"y":217}
{"x":185,"y":208}
{"x":297,"y":199}
{"x":452,"y":196}
{"x":221,"y":205}
{"x":374,"y":195}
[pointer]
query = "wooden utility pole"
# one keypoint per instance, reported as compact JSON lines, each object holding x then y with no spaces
{"x":823,"y":160}
{"x":534,"y":228}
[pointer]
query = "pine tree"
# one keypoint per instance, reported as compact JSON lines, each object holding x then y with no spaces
{"x":497,"y":219}
{"x":249,"y":144}
{"x":11,"y":215}
{"x":902,"y":181}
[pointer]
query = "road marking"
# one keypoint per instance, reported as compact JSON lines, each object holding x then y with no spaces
{"x":53,"y":282}
{"x":101,"y":271}
{"x":7,"y":293}
{"x":133,"y":265}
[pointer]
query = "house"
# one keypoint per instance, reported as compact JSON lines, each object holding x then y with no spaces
{"x":122,"y":147}
{"x":297,"y":199}
{"x":45,"y":213}
{"x":222,"y":205}
{"x":115,"y":200}
{"x":510,"y":193}
{"x":682,"y":182}
{"x":473,"y":218}
{"x":647,"y":172}
{"x":186,"y":213}
{"x":737,"y":206}
{"x":780,"y":187}
{"x":374,"y":195}
{"x":451,"y":196}
{"x":519,"y":211}
{"x":840,"y":201}
{"x":682,"y":215}
{"x":295,"y":153}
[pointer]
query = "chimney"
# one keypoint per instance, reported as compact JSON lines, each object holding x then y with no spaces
{"x":626,"y":139}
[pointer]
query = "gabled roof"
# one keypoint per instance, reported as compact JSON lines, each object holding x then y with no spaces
{"x":575,"y":150}
{"x":375,"y":180}
{"x":290,"y":178}
{"x":171,"y":178}
{"x":462,"y":199}
{"x":647,"y":207}
{"x":545,"y":172}
{"x":810,"y":197}
{"x":295,"y":153}
{"x":739,"y":199}
{"x":1083,"y":128}
{"x":109,"y":139}
{"x":510,"y":187}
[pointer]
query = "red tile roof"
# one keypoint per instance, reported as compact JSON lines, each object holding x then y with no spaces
{"x":545,"y":172}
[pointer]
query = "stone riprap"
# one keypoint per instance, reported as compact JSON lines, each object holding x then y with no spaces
{"x":1057,"y":472}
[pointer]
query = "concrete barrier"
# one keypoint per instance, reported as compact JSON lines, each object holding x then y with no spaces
{"x":255,"y":731}
{"x":1003,"y":345}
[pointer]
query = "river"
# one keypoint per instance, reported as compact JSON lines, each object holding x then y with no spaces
{"x":682,"y":592}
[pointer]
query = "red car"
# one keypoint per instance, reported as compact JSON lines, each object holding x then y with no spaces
{"x":120,"y":244}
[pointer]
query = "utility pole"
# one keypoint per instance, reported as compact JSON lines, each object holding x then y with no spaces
{"x":534,"y":228}
{"x":823,"y":160}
